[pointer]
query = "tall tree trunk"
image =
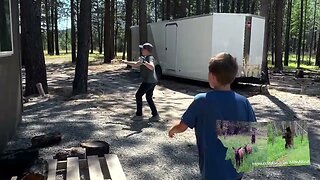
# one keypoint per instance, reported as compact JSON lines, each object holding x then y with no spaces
{"x":168,"y":9}
{"x":318,"y":52}
{"x":143,"y":21}
{"x":56,"y":35}
{"x":300,"y":35}
{"x":66,"y":40}
{"x":287,"y":44}
{"x":49,"y":40}
{"x":101,"y":33}
{"x":112,"y":29}
{"x":98,"y":29}
{"x":239,"y":4}
{"x":313,"y":31}
{"x":198,"y":7}
{"x":52,"y":25}
{"x":107,"y":34}
{"x":73,"y":32}
{"x":32,"y":51}
{"x":232,"y":6}
{"x":91,"y":37}
{"x":127,"y":40}
{"x":163,"y":10}
{"x":156,"y":2}
{"x":183,"y":7}
{"x":246,"y":6}
{"x":116,"y":30}
{"x":207,"y":6}
{"x":81,"y":74}
{"x":265,"y":12}
{"x":278,"y":34}
{"x":253,"y":6}
{"x":304,"y":31}
{"x":218,"y":6}
{"x":226,"y":6}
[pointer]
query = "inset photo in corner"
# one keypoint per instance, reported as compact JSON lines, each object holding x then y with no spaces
{"x":254,"y":145}
{"x":246,"y":143}
{"x":288,"y":144}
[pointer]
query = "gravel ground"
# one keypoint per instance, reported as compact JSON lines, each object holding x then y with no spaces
{"x":143,"y":147}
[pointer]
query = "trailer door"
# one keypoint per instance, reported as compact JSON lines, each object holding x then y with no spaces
{"x":171,"y":48}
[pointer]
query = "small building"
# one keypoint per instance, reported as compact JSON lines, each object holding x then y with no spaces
{"x":10,"y":71}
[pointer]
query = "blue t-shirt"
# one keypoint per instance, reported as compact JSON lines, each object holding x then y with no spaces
{"x":202,"y":115}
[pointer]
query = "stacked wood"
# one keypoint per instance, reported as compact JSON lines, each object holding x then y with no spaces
{"x":71,"y":152}
{"x":46,"y":140}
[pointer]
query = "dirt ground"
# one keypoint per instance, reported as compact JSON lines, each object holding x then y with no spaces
{"x":143,"y":147}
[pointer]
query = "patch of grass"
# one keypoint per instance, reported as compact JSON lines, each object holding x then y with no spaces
{"x":258,"y":154}
{"x":292,"y":65}
{"x":63,"y":57}
{"x":298,"y":155}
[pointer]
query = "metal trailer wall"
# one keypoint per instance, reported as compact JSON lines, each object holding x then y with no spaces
{"x":10,"y":83}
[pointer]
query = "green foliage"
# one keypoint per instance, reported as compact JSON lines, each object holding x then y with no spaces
{"x":258,"y":154}
{"x":288,"y":157}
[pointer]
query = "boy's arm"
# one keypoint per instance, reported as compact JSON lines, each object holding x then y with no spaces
{"x":133,"y":63}
{"x":149,"y":65}
{"x":178,"y":128}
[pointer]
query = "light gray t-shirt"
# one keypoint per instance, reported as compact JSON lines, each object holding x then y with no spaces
{"x":147,"y":75}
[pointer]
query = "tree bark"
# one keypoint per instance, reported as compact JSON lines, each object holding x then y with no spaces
{"x":91,"y":37}
{"x":318,"y":53}
{"x":304,"y":31}
{"x":183,"y":8}
{"x":168,"y":9}
{"x":52,"y":25}
{"x":218,"y":6}
{"x":49,"y":40}
{"x":279,"y":5}
{"x":81,"y":74}
{"x":112,"y":29}
{"x":232,"y":6}
{"x":32,"y":51}
{"x":198,"y":7}
{"x":300,"y":35}
{"x":313,"y":31}
{"x":207,"y":7}
{"x":107,"y":34}
{"x":73,"y":32}
{"x":66,"y":40}
{"x":287,"y":44}
{"x":56,"y":35}
{"x":239,"y":4}
{"x":156,"y":2}
{"x":127,"y":29}
{"x":143,"y":22}
{"x":226,"y":6}
{"x":264,"y":11}
{"x":99,"y":32}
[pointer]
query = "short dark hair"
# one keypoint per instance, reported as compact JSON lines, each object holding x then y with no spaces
{"x":224,"y":67}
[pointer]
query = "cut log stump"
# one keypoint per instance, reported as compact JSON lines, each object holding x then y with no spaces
{"x":46,"y":140}
{"x":96,"y":148}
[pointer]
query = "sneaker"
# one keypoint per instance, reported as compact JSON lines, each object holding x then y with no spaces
{"x":137,"y":118}
{"x":155,"y":118}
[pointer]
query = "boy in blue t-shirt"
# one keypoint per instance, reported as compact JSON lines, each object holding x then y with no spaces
{"x":219,"y":104}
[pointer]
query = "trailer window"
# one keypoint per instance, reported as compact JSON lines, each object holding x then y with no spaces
{"x":5,"y":26}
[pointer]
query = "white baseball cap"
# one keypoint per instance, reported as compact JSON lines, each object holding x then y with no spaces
{"x":146,"y":46}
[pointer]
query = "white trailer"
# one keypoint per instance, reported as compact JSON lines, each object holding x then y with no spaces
{"x":183,"y":47}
